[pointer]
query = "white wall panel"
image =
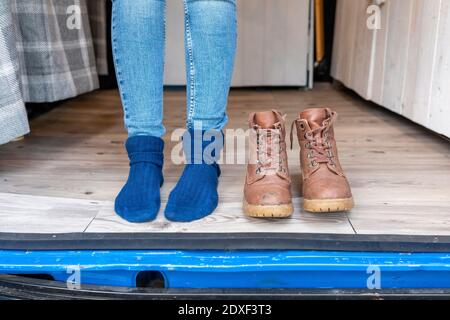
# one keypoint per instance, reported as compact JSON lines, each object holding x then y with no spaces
{"x":439,"y":111}
{"x":404,"y":66}
{"x":354,"y":50}
{"x":396,"y":57}
{"x":362,"y":52}
{"x":421,"y":59}
{"x":379,"y":55}
{"x":272,"y":43}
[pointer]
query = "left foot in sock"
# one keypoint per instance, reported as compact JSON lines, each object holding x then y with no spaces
{"x":195,"y":195}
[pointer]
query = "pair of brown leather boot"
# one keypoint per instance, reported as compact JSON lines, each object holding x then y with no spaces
{"x":267,"y":191}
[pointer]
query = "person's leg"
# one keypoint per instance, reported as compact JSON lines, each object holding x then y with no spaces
{"x":210,"y":41}
{"x":138,"y":38}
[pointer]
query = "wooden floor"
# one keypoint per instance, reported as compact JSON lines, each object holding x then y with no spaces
{"x":64,"y":176}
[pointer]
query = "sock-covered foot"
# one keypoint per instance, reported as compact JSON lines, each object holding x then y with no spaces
{"x":140,"y":200}
{"x":195,"y":195}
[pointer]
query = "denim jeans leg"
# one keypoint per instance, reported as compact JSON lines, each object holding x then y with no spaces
{"x":210,"y":44}
{"x":138,"y":40}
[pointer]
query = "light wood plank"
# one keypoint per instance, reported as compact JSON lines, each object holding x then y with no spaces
{"x":227,"y":218}
{"x":410,"y":217}
{"x":32,"y":214}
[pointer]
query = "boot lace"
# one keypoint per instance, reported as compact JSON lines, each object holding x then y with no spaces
{"x":268,"y":155}
{"x":320,"y":149}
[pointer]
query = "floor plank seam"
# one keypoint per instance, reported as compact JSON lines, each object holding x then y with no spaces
{"x":90,"y":222}
{"x":95,"y":217}
{"x":351,"y":224}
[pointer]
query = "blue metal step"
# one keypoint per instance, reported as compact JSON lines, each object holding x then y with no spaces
{"x":237,"y":269}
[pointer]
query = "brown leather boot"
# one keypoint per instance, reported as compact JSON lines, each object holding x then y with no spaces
{"x":267,"y":190}
{"x":325,"y":187}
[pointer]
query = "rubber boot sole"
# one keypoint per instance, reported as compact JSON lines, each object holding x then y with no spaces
{"x":328,"y":205}
{"x":277,"y":211}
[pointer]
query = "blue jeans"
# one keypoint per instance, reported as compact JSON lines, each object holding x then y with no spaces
{"x":138,"y":35}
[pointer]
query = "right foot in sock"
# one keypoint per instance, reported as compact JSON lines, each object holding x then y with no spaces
{"x":140,"y":200}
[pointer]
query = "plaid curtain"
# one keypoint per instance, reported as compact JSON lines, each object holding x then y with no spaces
{"x":13,"y":117}
{"x":46,"y":56}
{"x":56,"y":61}
{"x":98,"y":20}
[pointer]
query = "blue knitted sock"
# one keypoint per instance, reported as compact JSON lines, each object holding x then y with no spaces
{"x":140,"y":200}
{"x":195,"y":195}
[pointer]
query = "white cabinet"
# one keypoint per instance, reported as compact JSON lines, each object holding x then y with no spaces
{"x":403,"y":66}
{"x":273,"y":43}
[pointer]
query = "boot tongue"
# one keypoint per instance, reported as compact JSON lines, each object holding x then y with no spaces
{"x":315,"y":117}
{"x":266,"y":120}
